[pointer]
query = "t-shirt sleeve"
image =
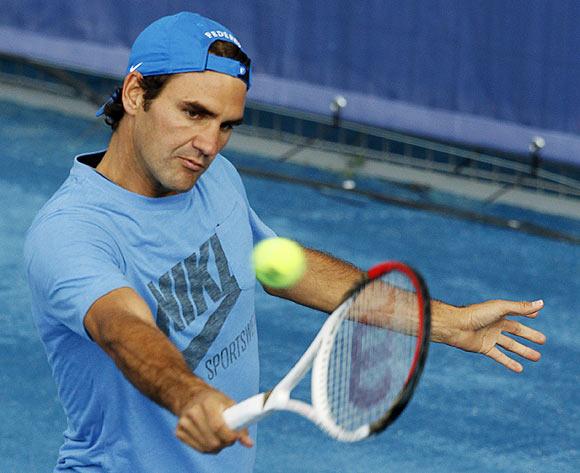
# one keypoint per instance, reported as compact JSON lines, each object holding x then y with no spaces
{"x":70,"y":264}
{"x":260,"y":230}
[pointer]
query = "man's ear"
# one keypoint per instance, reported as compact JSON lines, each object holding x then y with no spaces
{"x":132,"y":93}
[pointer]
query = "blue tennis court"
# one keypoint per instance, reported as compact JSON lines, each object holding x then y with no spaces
{"x":468,"y":415}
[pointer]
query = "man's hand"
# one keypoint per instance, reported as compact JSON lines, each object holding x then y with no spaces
{"x":201,"y":424}
{"x":483,"y":328}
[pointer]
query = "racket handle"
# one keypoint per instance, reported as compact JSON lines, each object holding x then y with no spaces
{"x":246,"y":412}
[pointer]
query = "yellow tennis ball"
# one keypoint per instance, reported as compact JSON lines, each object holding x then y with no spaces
{"x":279,"y":262}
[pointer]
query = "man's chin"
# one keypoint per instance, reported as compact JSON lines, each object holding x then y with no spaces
{"x":182,"y":187}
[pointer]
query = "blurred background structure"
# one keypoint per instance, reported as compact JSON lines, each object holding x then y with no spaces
{"x":448,"y":129}
{"x":464,"y":88}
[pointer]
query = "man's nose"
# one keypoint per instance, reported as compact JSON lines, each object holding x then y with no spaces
{"x":207,"y":140}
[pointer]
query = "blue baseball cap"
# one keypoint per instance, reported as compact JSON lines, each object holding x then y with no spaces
{"x":180,"y":43}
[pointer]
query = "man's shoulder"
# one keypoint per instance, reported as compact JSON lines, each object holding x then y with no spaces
{"x":64,"y":216}
{"x":66,"y":202}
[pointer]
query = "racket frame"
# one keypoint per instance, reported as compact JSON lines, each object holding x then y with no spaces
{"x":261,"y":405}
{"x":320,"y":366}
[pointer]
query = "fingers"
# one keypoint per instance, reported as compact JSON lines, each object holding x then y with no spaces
{"x":200,"y":432}
{"x":515,"y":347}
{"x":503,"y":359}
{"x":188,"y":433}
{"x":527,"y":309}
{"x":486,"y":313}
{"x":245,"y":439}
{"x":202,"y":426}
{"x":522,"y":331}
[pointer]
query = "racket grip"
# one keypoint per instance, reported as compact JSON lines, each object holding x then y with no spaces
{"x":246,"y":412}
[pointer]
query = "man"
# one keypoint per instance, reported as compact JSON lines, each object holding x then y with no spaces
{"x":139,"y":273}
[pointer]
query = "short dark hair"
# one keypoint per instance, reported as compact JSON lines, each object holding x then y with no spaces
{"x":153,"y":85}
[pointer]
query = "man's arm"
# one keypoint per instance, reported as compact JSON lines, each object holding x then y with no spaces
{"x":478,"y":328}
{"x":122,"y":324}
{"x":325,"y":282}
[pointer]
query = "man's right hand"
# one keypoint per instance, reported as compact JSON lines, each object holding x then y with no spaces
{"x":201,"y":424}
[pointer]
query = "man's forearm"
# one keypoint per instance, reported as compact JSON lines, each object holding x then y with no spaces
{"x":324,"y":284}
{"x":122,"y":324}
{"x":328,"y":279}
{"x":479,"y":328}
{"x":150,"y":362}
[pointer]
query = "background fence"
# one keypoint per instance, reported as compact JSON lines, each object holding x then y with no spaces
{"x":489,"y":74}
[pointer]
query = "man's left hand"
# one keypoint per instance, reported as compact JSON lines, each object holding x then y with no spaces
{"x":484,"y":328}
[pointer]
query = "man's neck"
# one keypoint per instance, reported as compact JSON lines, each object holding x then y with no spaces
{"x":119,"y":164}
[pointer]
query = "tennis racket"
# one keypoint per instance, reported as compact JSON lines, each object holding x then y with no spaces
{"x":366,"y":360}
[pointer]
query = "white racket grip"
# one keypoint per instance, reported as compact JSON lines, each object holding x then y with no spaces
{"x":246,"y":412}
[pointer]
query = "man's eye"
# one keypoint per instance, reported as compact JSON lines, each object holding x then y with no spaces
{"x":193,"y":114}
{"x":227,"y":127}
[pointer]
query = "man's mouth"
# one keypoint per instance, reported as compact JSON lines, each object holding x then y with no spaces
{"x":192,"y":164}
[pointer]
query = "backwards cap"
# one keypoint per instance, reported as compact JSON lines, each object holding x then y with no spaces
{"x":180,"y":43}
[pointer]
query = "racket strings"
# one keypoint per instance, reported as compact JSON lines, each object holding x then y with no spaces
{"x":373,"y":351}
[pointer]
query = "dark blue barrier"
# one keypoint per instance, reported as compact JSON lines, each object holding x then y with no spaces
{"x":492,"y":74}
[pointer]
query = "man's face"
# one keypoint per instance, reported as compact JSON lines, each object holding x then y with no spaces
{"x":184,"y":128}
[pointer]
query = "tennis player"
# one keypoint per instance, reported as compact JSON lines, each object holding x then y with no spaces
{"x":138,"y":268}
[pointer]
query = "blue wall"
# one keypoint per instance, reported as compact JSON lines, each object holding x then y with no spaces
{"x":487,"y":73}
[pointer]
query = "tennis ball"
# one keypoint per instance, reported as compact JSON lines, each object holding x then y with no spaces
{"x":279,"y":262}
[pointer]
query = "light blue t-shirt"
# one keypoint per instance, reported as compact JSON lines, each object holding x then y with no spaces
{"x":188,"y":256}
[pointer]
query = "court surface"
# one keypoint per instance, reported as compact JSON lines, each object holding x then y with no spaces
{"x":468,"y":415}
